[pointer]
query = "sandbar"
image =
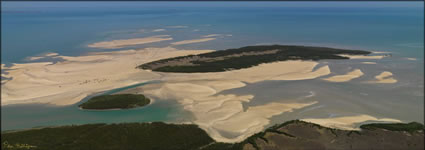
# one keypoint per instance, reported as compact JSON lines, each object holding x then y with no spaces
{"x":384,"y":77}
{"x":364,"y":56}
{"x":51,"y":54}
{"x":380,"y":52}
{"x":67,"y":82}
{"x":192,"y":41}
{"x":129,"y":42}
{"x":370,"y":63}
{"x":410,"y":58}
{"x":158,"y":30}
{"x":34,"y":58}
{"x":211,"y":35}
{"x":220,"y":115}
{"x":347,"y":122}
{"x":346,"y":77}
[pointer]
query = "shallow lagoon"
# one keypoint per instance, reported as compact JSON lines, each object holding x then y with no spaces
{"x":35,"y":115}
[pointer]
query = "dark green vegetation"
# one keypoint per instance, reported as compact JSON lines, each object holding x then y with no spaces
{"x":128,"y":136}
{"x":409,"y":127}
{"x":160,"y":136}
{"x":245,"y":57}
{"x":303,"y":135}
{"x":119,"y":101}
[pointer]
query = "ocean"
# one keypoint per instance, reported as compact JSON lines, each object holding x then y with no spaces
{"x":35,"y":28}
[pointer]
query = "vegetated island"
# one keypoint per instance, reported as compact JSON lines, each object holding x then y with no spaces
{"x":245,"y":57}
{"x":157,"y":135}
{"x":118,"y":101}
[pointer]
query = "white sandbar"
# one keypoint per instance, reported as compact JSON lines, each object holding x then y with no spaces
{"x":347,"y":122}
{"x":218,"y":113}
{"x":384,"y":77}
{"x":211,"y":35}
{"x":370,"y":63}
{"x":129,"y":42}
{"x":346,"y":77}
{"x":192,"y":41}
{"x":364,"y":56}
{"x":51,"y":54}
{"x":67,"y":82}
{"x":410,"y":58}
{"x":158,"y":30}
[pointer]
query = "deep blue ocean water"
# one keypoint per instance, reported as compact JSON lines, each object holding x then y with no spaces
{"x":33,"y":28}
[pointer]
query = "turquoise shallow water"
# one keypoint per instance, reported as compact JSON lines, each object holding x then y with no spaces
{"x":35,"y":28}
{"x":35,"y":115}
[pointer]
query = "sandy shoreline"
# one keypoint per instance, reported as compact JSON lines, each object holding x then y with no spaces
{"x":364,"y":56}
{"x":347,"y":122}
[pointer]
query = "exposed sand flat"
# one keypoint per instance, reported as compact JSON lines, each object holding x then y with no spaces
{"x":51,"y":54}
{"x":41,"y":57}
{"x":253,"y":120}
{"x":192,"y":41}
{"x":67,"y":82}
{"x":129,"y":42}
{"x":34,"y":58}
{"x":371,"y":63}
{"x":345,"y":78}
{"x":222,"y":113}
{"x":384,"y":77}
{"x":347,"y":122}
{"x":380,"y":52}
{"x":363,"y":56}
{"x":26,"y":65}
{"x":158,"y":30}
{"x":211,"y":35}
